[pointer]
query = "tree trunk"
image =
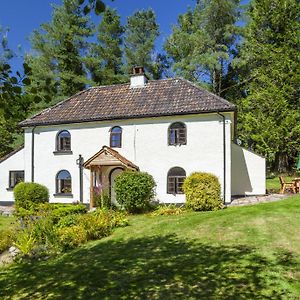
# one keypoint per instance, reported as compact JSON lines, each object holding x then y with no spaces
{"x":281,"y":164}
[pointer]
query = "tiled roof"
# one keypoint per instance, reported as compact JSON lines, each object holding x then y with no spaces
{"x":114,"y":153}
{"x":2,"y":159}
{"x":158,"y":98}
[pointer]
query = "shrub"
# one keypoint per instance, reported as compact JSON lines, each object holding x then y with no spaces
{"x":167,"y":210}
{"x":7,"y":238}
{"x":102,"y":199}
{"x":59,"y":211}
{"x":71,"y":237}
{"x":134,"y":190}
{"x":29,"y":194}
{"x":203,"y":192}
{"x":26,"y":242}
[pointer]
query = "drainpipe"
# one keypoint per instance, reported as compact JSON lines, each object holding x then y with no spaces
{"x":79,"y":162}
{"x":224,"y":156}
{"x":32,"y":153}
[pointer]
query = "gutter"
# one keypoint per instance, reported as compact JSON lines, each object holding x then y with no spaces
{"x":79,"y":162}
{"x":224,"y":155}
{"x":32,"y":153}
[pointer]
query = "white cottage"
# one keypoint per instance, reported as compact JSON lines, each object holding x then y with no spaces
{"x":168,"y":128}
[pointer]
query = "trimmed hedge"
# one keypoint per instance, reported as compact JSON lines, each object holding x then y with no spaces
{"x":203,"y":192}
{"x":134,"y":190}
{"x":29,"y":194}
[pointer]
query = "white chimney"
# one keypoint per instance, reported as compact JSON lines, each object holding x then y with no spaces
{"x":138,"y":78}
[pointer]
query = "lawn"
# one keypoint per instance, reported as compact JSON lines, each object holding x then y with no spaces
{"x":273,"y":184}
{"x":250,"y":252}
{"x":5,"y":221}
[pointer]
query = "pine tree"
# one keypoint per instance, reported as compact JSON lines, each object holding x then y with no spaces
{"x":141,"y":31}
{"x":270,"y":115}
{"x":202,"y":45}
{"x":60,"y":47}
{"x":105,"y":60}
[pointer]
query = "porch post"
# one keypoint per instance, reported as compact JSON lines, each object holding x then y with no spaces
{"x":92,"y":188}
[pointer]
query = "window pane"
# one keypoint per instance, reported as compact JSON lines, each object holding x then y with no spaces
{"x":172,"y":137}
{"x":115,"y":140}
{"x":64,"y":175}
{"x":15,"y":178}
{"x":64,"y":141}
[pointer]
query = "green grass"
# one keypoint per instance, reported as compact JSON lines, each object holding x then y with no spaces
{"x":273,"y":184}
{"x":6,"y":221}
{"x":250,"y":252}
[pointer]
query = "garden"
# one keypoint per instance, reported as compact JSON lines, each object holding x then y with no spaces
{"x":141,"y":252}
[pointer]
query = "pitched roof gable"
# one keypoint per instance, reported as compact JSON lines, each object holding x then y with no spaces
{"x":109,"y":156}
{"x":165,"y":97}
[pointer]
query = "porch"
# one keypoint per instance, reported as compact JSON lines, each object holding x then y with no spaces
{"x":104,"y":167}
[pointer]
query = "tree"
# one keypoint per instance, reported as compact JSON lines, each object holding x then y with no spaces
{"x":60,"y":49}
{"x":269,"y":114}
{"x":202,"y":45}
{"x":141,"y":32}
{"x":105,"y":60}
{"x":14,"y":103}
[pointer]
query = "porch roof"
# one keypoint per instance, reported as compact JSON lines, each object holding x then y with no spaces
{"x":109,"y":157}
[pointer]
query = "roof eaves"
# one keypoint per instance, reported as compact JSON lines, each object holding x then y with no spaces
{"x":2,"y":159}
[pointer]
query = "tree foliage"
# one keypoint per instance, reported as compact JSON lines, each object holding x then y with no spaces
{"x":202,"y":44}
{"x":105,"y":59}
{"x":269,"y":116}
{"x":59,"y":50}
{"x":141,"y":32}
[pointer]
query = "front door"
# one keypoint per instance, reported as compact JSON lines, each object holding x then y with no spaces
{"x":113,"y":176}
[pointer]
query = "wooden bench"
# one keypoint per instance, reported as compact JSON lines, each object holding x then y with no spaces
{"x":286,"y":186}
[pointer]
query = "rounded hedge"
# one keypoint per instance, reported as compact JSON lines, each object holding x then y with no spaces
{"x":29,"y":194}
{"x":134,"y":190}
{"x":202,"y":191}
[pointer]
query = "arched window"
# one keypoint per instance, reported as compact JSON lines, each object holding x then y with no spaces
{"x":177,"y":134}
{"x":63,"y":182}
{"x":63,"y":141}
{"x":176,"y":177}
{"x":116,"y":137}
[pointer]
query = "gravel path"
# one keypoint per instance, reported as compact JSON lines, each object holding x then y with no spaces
{"x":250,"y":200}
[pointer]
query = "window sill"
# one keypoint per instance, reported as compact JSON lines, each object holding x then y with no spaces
{"x":67,"y":152}
{"x":63,"y":195}
{"x":176,"y":145}
{"x":10,"y":189}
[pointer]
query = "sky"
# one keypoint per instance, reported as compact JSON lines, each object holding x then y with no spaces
{"x":23,"y":16}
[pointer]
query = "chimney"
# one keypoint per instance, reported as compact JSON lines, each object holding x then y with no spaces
{"x":138,"y":78}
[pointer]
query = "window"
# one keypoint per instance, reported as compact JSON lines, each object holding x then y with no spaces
{"x":176,"y":177}
{"x":15,"y":177}
{"x":177,"y":134}
{"x":63,"y":142}
{"x":116,"y":137}
{"x":63,"y":182}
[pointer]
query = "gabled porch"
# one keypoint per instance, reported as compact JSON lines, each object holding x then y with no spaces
{"x":104,"y":166}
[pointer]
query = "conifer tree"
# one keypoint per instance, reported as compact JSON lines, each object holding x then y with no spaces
{"x":59,"y":50}
{"x":141,"y":32}
{"x":270,"y":114}
{"x":201,"y":46}
{"x":105,"y":59}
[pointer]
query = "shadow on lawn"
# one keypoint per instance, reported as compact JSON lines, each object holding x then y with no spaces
{"x":148,"y":268}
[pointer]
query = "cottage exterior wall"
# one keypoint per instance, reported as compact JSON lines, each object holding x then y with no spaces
{"x":144,"y":142}
{"x":13,"y":163}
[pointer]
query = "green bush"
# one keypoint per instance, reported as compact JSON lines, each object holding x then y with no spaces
{"x":26,"y":242}
{"x":7,"y":238}
{"x":29,"y":194}
{"x":134,"y":190}
{"x":167,"y":210}
{"x":71,"y":237}
{"x":203,"y":192}
{"x":59,"y":211}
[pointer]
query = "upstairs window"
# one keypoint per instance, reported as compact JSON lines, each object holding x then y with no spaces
{"x":63,"y":142}
{"x":176,"y":177}
{"x":116,"y":137}
{"x":15,"y":177}
{"x":177,"y":134}
{"x":63,"y":182}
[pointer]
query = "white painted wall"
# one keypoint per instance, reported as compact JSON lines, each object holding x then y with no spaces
{"x":248,"y":172}
{"x":13,"y":163}
{"x":144,"y":142}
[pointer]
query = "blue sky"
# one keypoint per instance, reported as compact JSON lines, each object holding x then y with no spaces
{"x":23,"y":16}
